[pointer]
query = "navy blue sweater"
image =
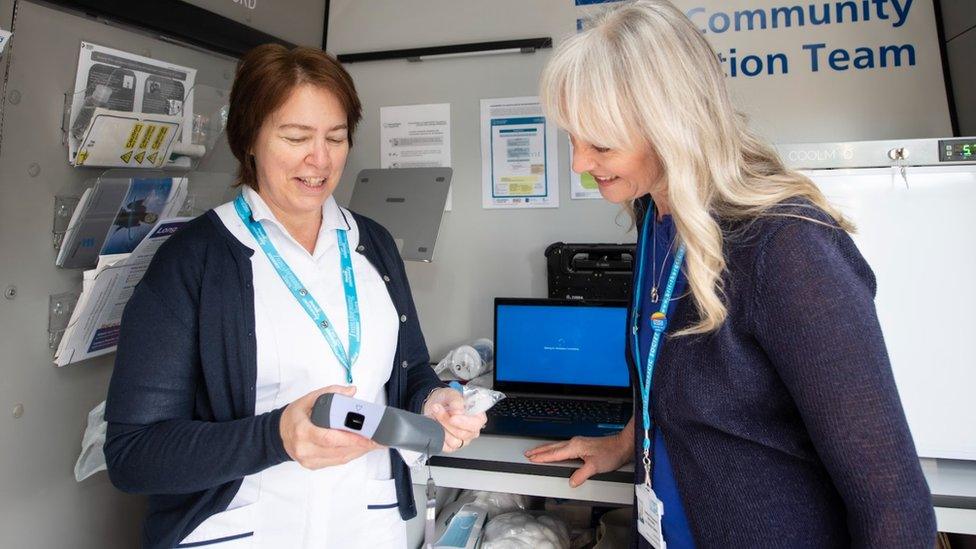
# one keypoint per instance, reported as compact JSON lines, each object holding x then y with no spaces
{"x":180,"y":409}
{"x":784,"y":427}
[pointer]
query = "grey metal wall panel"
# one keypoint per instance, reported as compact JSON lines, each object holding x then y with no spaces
{"x":41,"y":505}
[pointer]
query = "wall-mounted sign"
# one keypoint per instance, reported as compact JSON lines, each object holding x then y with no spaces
{"x":297,"y":21}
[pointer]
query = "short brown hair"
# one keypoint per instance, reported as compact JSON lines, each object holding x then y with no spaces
{"x":265,"y":78}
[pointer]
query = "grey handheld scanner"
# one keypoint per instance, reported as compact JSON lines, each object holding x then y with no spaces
{"x":386,"y":425}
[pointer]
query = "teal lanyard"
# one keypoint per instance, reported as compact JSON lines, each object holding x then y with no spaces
{"x":659,"y":323}
{"x":304,"y":298}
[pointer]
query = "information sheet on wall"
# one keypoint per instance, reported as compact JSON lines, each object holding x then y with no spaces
{"x":416,"y":136}
{"x":518,"y":155}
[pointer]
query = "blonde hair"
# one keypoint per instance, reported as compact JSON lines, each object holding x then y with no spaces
{"x":642,"y":75}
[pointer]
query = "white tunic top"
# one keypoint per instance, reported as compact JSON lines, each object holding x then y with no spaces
{"x":350,"y":505}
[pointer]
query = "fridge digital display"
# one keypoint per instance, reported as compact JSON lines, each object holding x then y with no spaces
{"x":957,"y":150}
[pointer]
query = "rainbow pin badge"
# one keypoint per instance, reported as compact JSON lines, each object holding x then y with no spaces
{"x":659,"y":321}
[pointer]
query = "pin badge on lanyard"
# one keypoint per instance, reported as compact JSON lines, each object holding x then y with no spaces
{"x":304,"y":298}
{"x":659,"y":321}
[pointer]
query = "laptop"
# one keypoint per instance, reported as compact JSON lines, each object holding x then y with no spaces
{"x":563,"y":367}
{"x":409,"y":202}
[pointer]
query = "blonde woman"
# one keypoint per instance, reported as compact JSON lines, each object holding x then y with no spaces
{"x":766,"y":411}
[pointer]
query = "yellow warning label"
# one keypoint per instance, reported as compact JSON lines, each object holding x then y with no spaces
{"x":163,"y":130}
{"x":140,"y":156}
{"x":133,"y":135}
{"x":152,"y":157}
{"x":150,"y":130}
{"x":82,"y":156}
{"x":126,"y":157}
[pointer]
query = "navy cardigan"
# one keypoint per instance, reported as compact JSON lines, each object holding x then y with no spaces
{"x":784,"y":427}
{"x":180,"y":408}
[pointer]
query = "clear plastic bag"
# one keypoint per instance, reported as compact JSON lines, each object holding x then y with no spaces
{"x":484,"y":381}
{"x":468,"y":361}
{"x":466,"y":521}
{"x":522,"y":530}
{"x":478,"y":399}
{"x":98,"y":98}
{"x":494,"y":503}
{"x":92,"y":458}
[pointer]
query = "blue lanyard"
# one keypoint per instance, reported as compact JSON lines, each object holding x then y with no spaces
{"x":659,"y":323}
{"x":304,"y":298}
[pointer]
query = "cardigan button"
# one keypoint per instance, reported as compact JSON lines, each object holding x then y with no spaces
{"x":386,"y":278}
{"x":403,"y":318}
{"x":360,"y":248}
{"x":404,"y":364}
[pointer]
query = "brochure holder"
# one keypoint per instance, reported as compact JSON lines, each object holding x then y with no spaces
{"x":113,"y":215}
{"x":130,"y":111}
{"x":59,"y":309}
{"x":64,"y":207}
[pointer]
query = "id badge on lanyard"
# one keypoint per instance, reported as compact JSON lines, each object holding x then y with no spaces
{"x":650,"y":509}
{"x":650,"y":512}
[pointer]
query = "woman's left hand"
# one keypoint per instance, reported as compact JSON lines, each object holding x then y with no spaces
{"x":447,"y":407}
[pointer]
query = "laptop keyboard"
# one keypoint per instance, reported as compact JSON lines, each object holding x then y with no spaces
{"x":585,"y":411}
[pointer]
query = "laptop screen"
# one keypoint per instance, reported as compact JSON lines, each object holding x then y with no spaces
{"x":569,"y":344}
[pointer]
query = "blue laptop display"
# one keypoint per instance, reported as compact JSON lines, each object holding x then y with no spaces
{"x":576,"y":345}
{"x":562,"y":365}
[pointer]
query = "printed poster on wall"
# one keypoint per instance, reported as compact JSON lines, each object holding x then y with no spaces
{"x":416,"y":136}
{"x":518,"y":155}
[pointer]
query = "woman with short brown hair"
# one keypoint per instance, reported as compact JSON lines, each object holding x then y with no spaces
{"x":249,"y":314}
